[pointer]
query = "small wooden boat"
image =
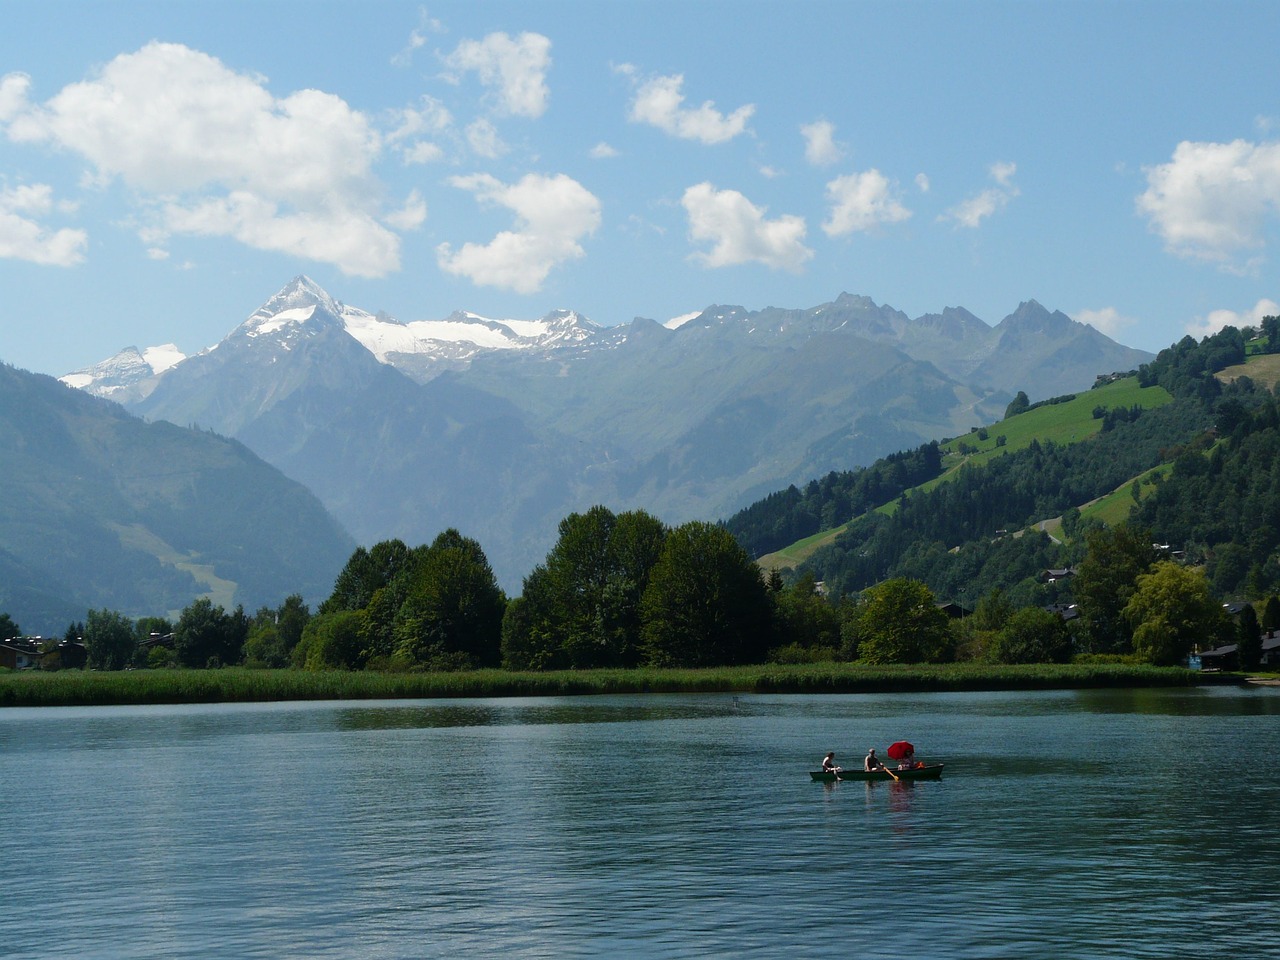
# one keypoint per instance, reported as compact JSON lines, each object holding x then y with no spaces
{"x":931,"y":771}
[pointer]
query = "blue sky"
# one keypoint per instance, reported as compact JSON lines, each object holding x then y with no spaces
{"x":165,"y":167}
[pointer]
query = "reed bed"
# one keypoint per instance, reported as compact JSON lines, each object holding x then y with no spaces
{"x":241,"y":685}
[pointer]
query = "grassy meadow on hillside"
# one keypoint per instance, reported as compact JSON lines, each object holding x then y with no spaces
{"x":1262,"y":369}
{"x":1071,"y":421}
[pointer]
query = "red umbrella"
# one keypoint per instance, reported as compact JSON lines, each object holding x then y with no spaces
{"x":900,"y":749}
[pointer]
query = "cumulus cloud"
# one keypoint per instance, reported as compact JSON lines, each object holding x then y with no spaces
{"x":483,"y":138}
{"x":1212,"y":200}
{"x":212,"y":152}
{"x":514,"y":68}
{"x":861,"y":201}
{"x":552,"y":215}
{"x":13,"y":95}
{"x":922,"y":182}
{"x":413,"y":131}
{"x":739,"y":232}
{"x":660,"y":103}
{"x":1215,"y":320}
{"x":820,"y":147}
{"x":1106,"y":320}
{"x":423,"y":151}
{"x":602,"y":151}
{"x":23,"y":237}
{"x":973,"y":210}
{"x":411,"y":215}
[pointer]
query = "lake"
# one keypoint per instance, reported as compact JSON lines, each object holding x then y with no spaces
{"x":1132,"y":823}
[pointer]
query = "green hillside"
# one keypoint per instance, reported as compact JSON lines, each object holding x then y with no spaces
{"x":1187,"y":454}
{"x":1063,"y":421}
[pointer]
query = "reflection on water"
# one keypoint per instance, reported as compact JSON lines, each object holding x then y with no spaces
{"x":1068,"y":824}
{"x":528,"y":712}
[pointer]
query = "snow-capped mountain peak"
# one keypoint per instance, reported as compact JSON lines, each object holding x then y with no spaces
{"x":297,"y":303}
{"x":130,"y":375}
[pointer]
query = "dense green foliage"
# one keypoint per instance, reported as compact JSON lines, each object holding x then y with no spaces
{"x":434,"y":607}
{"x":38,"y":688}
{"x":790,"y":515}
{"x":1171,"y":609}
{"x":1010,"y":492}
{"x":581,"y":608}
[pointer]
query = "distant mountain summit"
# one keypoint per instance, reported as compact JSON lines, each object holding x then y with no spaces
{"x":502,"y":427}
{"x":128,"y":376}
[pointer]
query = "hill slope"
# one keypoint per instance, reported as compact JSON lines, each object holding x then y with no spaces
{"x":101,"y":509}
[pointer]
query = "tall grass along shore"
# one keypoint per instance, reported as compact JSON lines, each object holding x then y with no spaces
{"x":241,"y":685}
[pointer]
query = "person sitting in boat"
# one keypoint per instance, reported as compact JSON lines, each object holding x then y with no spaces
{"x":872,"y":763}
{"x":829,"y":763}
{"x":908,"y":762}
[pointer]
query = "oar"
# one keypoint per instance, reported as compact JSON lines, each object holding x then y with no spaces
{"x":891,"y":773}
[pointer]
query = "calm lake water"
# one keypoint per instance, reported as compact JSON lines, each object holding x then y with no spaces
{"x":1067,"y":824}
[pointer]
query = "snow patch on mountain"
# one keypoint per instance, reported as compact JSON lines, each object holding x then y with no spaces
{"x":161,"y":358}
{"x":676,"y":323}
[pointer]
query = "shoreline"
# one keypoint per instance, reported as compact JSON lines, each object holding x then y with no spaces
{"x":246,"y":685}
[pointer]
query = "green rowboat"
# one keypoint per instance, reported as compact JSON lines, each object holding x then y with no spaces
{"x":931,"y":772}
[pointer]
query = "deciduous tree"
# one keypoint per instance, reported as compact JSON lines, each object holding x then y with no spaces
{"x":900,"y":622}
{"x":706,"y":603}
{"x":1171,"y":609}
{"x":1105,"y":580}
{"x":108,"y":640}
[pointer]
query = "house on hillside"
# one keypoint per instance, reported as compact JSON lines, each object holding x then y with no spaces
{"x":953,"y":610}
{"x":1054,"y":574}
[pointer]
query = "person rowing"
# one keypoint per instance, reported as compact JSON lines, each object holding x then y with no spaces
{"x":872,"y":763}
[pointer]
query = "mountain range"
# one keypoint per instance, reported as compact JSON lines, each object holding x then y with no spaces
{"x":502,"y":427}
{"x":99,"y":509}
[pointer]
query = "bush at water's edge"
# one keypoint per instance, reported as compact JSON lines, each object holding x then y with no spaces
{"x":232,"y":685}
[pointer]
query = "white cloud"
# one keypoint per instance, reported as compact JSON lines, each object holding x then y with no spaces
{"x":13,"y":95}
{"x":861,"y":201}
{"x":820,"y":147}
{"x":212,"y":152}
{"x":514,"y":67}
{"x":659,"y":102}
{"x":740,"y":233}
{"x":973,"y":210}
{"x":602,"y":151}
{"x":922,"y":182}
{"x":351,"y":239}
{"x":417,"y":39}
{"x":1212,"y":200}
{"x":1106,"y":320}
{"x":432,"y":118}
{"x":552,"y":215}
{"x":770,"y":172}
{"x":484,"y":139}
{"x":411,"y":215}
{"x":157,"y":253}
{"x":423,"y":151}
{"x":22,"y":237}
{"x":1217,"y":319}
